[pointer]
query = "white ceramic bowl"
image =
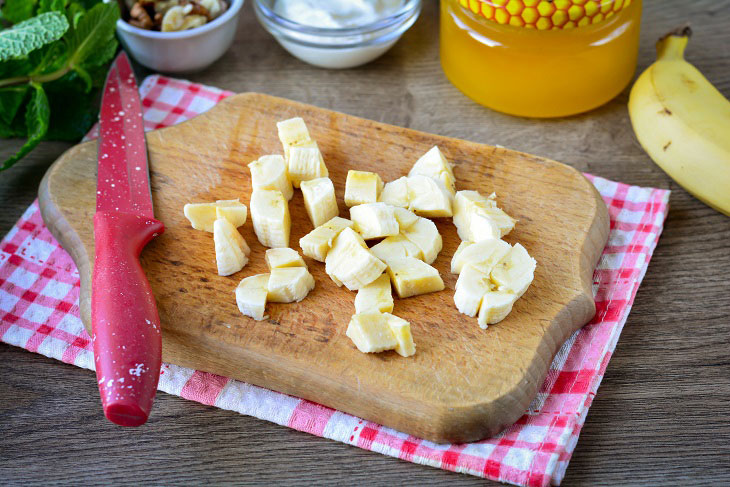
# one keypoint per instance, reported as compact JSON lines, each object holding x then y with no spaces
{"x":183,"y":51}
{"x":337,"y":48}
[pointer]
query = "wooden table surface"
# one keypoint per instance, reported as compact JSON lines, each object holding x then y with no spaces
{"x":661,"y":415}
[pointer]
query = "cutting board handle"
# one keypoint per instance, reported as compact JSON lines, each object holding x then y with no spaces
{"x":124,"y":318}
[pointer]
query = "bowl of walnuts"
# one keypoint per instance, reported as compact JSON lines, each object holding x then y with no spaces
{"x":178,"y":36}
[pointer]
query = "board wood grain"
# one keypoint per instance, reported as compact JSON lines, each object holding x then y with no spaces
{"x":463,"y":384}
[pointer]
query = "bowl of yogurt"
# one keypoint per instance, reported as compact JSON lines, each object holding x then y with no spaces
{"x":337,"y":34}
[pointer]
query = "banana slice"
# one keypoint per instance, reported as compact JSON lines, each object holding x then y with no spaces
{"x":495,"y":307}
{"x":426,"y":236}
{"x":374,"y":220}
{"x":434,"y":165}
{"x":289,"y":284}
{"x":371,"y":333}
{"x":396,"y":247}
{"x":377,"y":332}
{"x":305,"y":162}
{"x":362,"y":187}
{"x":478,"y":218}
{"x":472,"y":285}
{"x":402,"y":331}
{"x":484,"y":254}
{"x":351,"y":263}
{"x":251,"y":296}
{"x":231,"y":250}
{"x":428,"y":197}
{"x":317,"y":243}
{"x":375,"y":297}
{"x":412,"y":277}
{"x":270,"y":216}
{"x":515,"y":271}
{"x":236,"y":214}
{"x":405,"y":218}
{"x":202,"y":215}
{"x":270,"y":172}
{"x":283,"y":257}
{"x":395,"y":193}
{"x":319,"y":200}
{"x":293,"y":131}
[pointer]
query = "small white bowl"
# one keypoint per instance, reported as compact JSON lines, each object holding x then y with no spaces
{"x":337,"y":48}
{"x":182,"y":51}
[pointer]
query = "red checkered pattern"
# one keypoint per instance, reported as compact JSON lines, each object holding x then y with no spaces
{"x":39,"y":289}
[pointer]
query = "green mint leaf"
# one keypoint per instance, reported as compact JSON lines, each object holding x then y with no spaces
{"x":74,"y":12}
{"x":73,"y":112}
{"x":49,"y":58}
{"x":104,"y":53}
{"x":37,"y":115}
{"x":51,"y":6}
{"x":31,"y":34}
{"x":94,"y":30}
{"x":10,"y":100}
{"x":16,"y":11}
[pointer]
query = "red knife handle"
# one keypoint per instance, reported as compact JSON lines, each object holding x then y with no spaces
{"x":124,"y":319}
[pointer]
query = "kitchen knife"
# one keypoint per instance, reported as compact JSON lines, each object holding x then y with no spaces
{"x":124,"y":319}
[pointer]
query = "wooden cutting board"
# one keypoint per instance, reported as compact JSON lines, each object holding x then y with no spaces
{"x":463,"y":384}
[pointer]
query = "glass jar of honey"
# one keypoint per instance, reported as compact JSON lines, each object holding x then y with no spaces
{"x":540,"y":58}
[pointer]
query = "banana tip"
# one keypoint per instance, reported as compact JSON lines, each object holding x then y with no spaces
{"x":681,"y":31}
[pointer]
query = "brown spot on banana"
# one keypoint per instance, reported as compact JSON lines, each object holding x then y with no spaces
{"x":666,"y":146}
{"x":666,"y":111}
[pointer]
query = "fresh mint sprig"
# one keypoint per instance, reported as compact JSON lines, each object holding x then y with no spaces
{"x":53,"y":60}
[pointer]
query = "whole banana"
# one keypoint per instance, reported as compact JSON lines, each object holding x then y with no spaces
{"x":683,"y":123}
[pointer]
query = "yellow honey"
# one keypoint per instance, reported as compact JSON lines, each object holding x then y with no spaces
{"x":540,"y":58}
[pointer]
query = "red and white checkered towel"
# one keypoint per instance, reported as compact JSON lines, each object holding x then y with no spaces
{"x":39,"y":291}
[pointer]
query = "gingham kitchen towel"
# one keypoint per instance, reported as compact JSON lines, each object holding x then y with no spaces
{"x":39,"y":290}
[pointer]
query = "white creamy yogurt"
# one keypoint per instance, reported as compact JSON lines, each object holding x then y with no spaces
{"x":337,"y":33}
{"x":334,"y":14}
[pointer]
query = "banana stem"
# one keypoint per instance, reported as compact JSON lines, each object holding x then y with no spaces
{"x":672,"y":44}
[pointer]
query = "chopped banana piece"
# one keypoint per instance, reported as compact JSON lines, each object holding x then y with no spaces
{"x":270,"y":216}
{"x":434,"y":165}
{"x":371,"y":333}
{"x":283,"y":257}
{"x":362,"y":187}
{"x":426,"y":236}
{"x":317,"y":243}
{"x":231,"y":250}
{"x":477,"y":217}
{"x":428,"y":197}
{"x":251,"y":296}
{"x":374,"y":220}
{"x":515,"y":271}
{"x":396,"y":247}
{"x":293,"y":131}
{"x":202,"y":215}
{"x":375,"y":297}
{"x":484,"y":254}
{"x":319,"y":200}
{"x":412,"y":277}
{"x":270,"y":172}
{"x":395,"y":193}
{"x":472,"y":285}
{"x":236,"y":214}
{"x":305,"y":163}
{"x":289,"y":284}
{"x":402,"y":331}
{"x":405,"y":218}
{"x":495,"y":307}
{"x":376,"y":332}
{"x":351,"y":263}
